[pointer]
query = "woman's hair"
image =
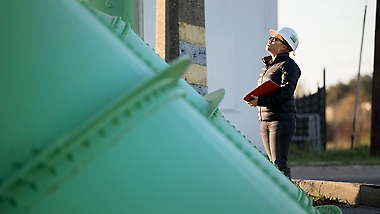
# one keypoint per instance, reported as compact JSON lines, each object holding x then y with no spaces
{"x":289,"y":49}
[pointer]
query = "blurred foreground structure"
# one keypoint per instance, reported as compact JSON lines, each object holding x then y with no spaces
{"x":94,"y":121}
{"x":375,"y":122}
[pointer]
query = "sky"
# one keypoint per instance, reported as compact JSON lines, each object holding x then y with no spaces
{"x":330,"y":34}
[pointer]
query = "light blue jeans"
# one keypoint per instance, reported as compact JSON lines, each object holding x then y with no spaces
{"x":277,"y":137}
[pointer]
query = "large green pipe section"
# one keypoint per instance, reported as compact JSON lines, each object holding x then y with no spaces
{"x":90,"y":123}
{"x":126,"y":9}
{"x":123,"y":29}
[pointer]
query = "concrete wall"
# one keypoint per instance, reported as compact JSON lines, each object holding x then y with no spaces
{"x":237,"y":32}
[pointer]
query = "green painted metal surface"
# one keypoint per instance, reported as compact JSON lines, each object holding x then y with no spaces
{"x":126,"y":9}
{"x":93,"y":121}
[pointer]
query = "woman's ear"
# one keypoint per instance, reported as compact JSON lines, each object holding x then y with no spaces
{"x":285,"y":48}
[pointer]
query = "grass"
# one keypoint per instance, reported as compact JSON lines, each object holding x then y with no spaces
{"x":323,"y":200}
{"x":302,"y":156}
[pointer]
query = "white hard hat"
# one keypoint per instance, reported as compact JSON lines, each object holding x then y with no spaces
{"x":289,"y":35}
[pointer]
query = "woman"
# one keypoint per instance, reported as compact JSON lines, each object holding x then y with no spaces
{"x":277,"y":112}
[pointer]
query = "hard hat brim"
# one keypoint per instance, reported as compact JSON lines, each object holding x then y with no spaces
{"x":273,"y":32}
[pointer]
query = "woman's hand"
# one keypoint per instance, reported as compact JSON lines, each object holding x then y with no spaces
{"x":253,"y":102}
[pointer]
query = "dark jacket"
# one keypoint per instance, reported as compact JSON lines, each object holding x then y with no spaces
{"x":281,"y":105}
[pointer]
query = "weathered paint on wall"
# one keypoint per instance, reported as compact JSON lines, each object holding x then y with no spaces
{"x":192,"y":34}
{"x":193,"y":43}
{"x":181,"y":23}
{"x":192,"y":38}
{"x":196,"y":53}
{"x":192,"y":12}
{"x":196,"y":74}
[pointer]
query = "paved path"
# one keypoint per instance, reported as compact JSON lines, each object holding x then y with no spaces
{"x":354,"y":174}
{"x":359,"y":209}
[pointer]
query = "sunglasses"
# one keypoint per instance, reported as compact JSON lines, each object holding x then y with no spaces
{"x":273,"y":38}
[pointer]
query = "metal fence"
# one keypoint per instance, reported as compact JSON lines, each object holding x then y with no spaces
{"x":311,"y":120}
{"x":313,"y":131}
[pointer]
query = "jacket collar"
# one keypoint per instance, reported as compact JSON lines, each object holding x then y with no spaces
{"x":279,"y":58}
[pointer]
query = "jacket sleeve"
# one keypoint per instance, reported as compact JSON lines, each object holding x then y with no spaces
{"x":289,"y":79}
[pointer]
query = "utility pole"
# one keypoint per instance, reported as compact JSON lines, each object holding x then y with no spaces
{"x":357,"y":84}
{"x":375,"y":121}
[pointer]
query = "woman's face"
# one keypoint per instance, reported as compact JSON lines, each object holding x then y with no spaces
{"x":276,"y":44}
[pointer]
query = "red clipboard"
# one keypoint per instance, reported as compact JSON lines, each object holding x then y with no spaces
{"x":267,"y":88}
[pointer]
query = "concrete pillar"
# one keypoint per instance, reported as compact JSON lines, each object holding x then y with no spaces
{"x":180,"y":31}
{"x":167,"y":29}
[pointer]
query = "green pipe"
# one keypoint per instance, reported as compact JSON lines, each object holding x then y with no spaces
{"x":126,"y":9}
{"x":151,"y":58}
